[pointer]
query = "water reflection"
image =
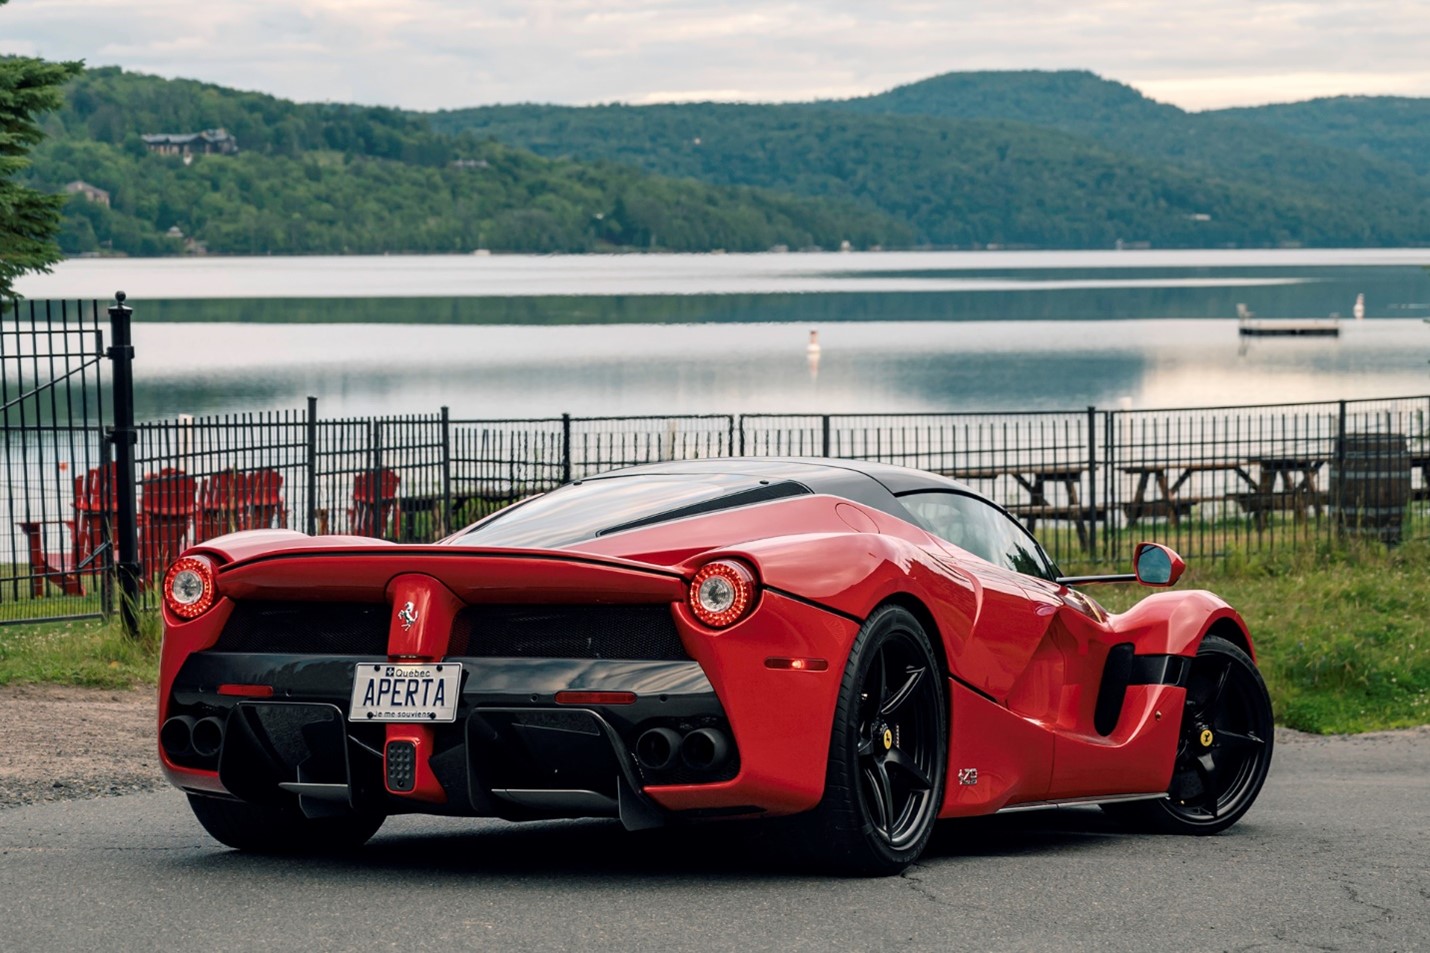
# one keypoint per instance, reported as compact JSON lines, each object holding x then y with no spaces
{"x":600,"y":335}
{"x":506,"y":371}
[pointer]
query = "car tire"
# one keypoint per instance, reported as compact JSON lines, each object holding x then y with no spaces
{"x":1223,"y":750}
{"x":888,"y":753}
{"x":272,"y":829}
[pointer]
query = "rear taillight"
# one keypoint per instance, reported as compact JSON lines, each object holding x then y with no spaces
{"x":722,"y":593}
{"x":189,"y":587}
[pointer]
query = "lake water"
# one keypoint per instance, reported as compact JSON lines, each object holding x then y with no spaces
{"x":518,"y":336}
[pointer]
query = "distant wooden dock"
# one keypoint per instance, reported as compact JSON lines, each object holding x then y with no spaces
{"x":1326,"y":328}
{"x":1248,"y":325}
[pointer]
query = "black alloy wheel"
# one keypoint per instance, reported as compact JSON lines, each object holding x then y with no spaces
{"x":1224,"y":751}
{"x":281,"y":829}
{"x":889,"y":752}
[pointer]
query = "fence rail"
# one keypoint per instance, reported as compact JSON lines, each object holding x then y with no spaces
{"x":1211,"y":482}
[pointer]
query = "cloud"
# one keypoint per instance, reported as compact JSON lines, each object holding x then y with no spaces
{"x":449,"y":53}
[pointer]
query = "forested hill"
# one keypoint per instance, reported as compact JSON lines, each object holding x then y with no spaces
{"x":1391,"y":128}
{"x":1020,"y":157}
{"x":337,"y":179}
{"x":1215,"y":143}
{"x":1041,"y":159}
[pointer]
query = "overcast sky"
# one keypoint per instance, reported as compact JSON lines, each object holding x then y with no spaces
{"x":427,"y":54}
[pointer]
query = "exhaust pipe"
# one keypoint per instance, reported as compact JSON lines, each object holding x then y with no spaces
{"x":176,"y":735}
{"x":207,"y":737}
{"x":657,"y":749}
{"x":704,"y":748}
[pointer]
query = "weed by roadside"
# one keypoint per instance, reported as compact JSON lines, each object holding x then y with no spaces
{"x":90,"y":652}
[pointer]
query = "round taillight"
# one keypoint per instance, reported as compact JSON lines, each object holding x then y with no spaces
{"x":189,"y":588}
{"x":722,"y":593}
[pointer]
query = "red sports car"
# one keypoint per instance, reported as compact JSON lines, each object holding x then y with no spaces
{"x":863,"y":648}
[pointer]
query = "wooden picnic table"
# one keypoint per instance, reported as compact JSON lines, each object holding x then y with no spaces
{"x":1285,"y":482}
{"x":1421,"y":462}
{"x":429,"y":499}
{"x":1167,"y":500}
{"x":1038,"y":480}
{"x":1281,"y":482}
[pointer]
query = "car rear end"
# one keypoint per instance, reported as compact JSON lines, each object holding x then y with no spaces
{"x":348,"y":676}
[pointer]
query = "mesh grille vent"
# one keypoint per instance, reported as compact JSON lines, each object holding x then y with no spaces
{"x":317,"y":628}
{"x":588,"y":632}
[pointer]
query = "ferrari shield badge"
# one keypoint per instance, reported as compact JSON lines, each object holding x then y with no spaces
{"x":407,"y":615}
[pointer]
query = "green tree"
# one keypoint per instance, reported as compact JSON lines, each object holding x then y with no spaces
{"x":29,"y":219}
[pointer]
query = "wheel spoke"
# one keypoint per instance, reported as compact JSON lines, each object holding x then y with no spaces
{"x":874,"y":688}
{"x":920,"y":778}
{"x":1209,"y":703}
{"x":1206,"y":773}
{"x":904,"y":693}
{"x":880,"y":798}
{"x":1235,"y":741}
{"x":866,"y":747}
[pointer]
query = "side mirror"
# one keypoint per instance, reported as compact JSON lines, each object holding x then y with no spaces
{"x":1156,"y":565}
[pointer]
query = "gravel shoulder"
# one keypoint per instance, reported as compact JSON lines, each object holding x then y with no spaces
{"x":60,"y":742}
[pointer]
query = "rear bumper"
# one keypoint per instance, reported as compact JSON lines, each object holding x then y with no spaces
{"x":513,"y":751}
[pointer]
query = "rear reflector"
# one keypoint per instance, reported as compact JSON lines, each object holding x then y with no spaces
{"x":595,"y":698}
{"x":797,"y":664}
{"x":247,"y":691}
{"x":401,"y":766}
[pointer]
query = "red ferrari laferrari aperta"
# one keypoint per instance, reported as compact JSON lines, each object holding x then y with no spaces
{"x":863,"y":648}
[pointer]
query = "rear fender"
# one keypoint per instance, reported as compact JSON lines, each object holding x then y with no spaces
{"x":854,"y":573}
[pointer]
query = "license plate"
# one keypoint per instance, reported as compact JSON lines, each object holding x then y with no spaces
{"x":391,"y":692}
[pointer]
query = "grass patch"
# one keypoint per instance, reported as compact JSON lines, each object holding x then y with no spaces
{"x":91,"y":652}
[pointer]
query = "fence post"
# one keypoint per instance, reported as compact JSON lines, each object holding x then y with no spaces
{"x":1337,"y":518}
{"x":1110,"y":547}
{"x":826,"y":435}
{"x":374,"y":475}
{"x":124,"y":437}
{"x":565,"y":448}
{"x":1091,"y":481}
{"x":730,"y":445}
{"x":446,"y":472}
{"x":311,"y":523}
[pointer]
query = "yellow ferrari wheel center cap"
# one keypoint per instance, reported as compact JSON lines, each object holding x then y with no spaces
{"x":1206,"y":737}
{"x":888,"y":738}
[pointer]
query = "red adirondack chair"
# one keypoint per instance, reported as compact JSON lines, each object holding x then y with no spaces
{"x":92,"y":528}
{"x":166,"y":505}
{"x":222,"y":505}
{"x":234,"y":500}
{"x":265,"y":500}
{"x":374,"y":504}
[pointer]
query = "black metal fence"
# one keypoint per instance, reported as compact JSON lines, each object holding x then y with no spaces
{"x":1211,"y":482}
{"x":52,"y":389}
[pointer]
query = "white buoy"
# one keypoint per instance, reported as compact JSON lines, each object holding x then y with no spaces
{"x":813,"y":347}
{"x":1359,"y":309}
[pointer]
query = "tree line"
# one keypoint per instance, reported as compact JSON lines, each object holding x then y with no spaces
{"x":346,"y":179}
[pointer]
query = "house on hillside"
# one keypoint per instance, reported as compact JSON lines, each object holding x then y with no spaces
{"x":91,"y":193}
{"x":206,"y":143}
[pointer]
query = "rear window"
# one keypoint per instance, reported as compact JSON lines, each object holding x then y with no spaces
{"x":581,"y":511}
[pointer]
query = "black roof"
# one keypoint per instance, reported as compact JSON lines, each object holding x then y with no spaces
{"x":622,"y":499}
{"x":858,"y":480}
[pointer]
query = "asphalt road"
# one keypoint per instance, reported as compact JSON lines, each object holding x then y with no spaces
{"x":1335,"y":856}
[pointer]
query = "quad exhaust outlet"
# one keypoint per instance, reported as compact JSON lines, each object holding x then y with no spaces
{"x":658,"y":749}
